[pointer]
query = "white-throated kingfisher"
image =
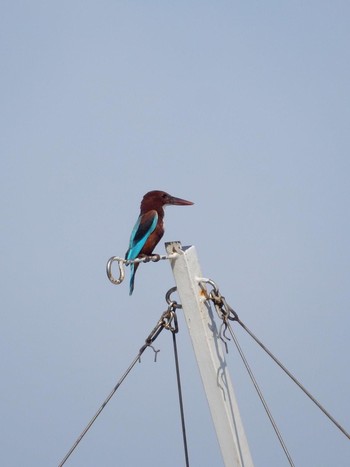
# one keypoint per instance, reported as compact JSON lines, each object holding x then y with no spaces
{"x":149,"y":228}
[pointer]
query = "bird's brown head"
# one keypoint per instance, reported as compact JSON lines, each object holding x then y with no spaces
{"x":157,"y":199}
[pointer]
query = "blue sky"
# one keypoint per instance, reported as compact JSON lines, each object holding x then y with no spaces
{"x":241,"y":107}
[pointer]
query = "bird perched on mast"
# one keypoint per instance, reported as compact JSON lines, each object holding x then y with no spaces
{"x":149,"y":228}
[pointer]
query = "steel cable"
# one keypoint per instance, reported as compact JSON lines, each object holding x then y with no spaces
{"x":293,"y":378}
{"x":162,"y":323}
{"x":260,"y":394}
{"x":179,"y":390}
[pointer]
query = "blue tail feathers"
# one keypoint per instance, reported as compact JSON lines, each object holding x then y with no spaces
{"x":132,"y":278}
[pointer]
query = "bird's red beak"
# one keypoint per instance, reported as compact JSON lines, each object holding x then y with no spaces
{"x":178,"y":201}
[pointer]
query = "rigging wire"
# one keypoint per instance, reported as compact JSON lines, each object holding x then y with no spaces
{"x":162,"y":323}
{"x":226,"y":312}
{"x":260,"y":394}
{"x":179,"y":390}
{"x":173,"y":305}
{"x":108,"y":398}
{"x":294,"y":379}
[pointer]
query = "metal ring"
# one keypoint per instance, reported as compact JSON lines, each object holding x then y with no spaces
{"x":168,"y":298}
{"x":205,"y":280}
{"x":121,"y":270}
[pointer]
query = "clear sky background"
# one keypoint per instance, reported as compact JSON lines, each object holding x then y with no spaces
{"x":241,"y":107}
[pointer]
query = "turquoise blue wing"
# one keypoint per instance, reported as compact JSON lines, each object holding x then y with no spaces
{"x":144,"y":226}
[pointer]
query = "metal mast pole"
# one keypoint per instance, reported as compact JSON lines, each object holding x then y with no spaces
{"x":210,"y":357}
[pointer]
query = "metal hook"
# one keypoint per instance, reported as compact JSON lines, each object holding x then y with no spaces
{"x":110,"y":276}
{"x":148,"y":344}
{"x":170,"y":302}
{"x":205,"y":280}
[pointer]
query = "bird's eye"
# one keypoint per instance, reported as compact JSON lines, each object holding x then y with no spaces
{"x":164,"y":195}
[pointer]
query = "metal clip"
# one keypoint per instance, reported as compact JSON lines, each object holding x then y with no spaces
{"x":170,"y":320}
{"x":172,"y":303}
{"x":223,"y":309}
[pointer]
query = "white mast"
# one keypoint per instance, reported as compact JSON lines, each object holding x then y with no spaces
{"x":210,"y":357}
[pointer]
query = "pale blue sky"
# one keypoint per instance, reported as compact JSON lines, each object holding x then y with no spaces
{"x":241,"y":107}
